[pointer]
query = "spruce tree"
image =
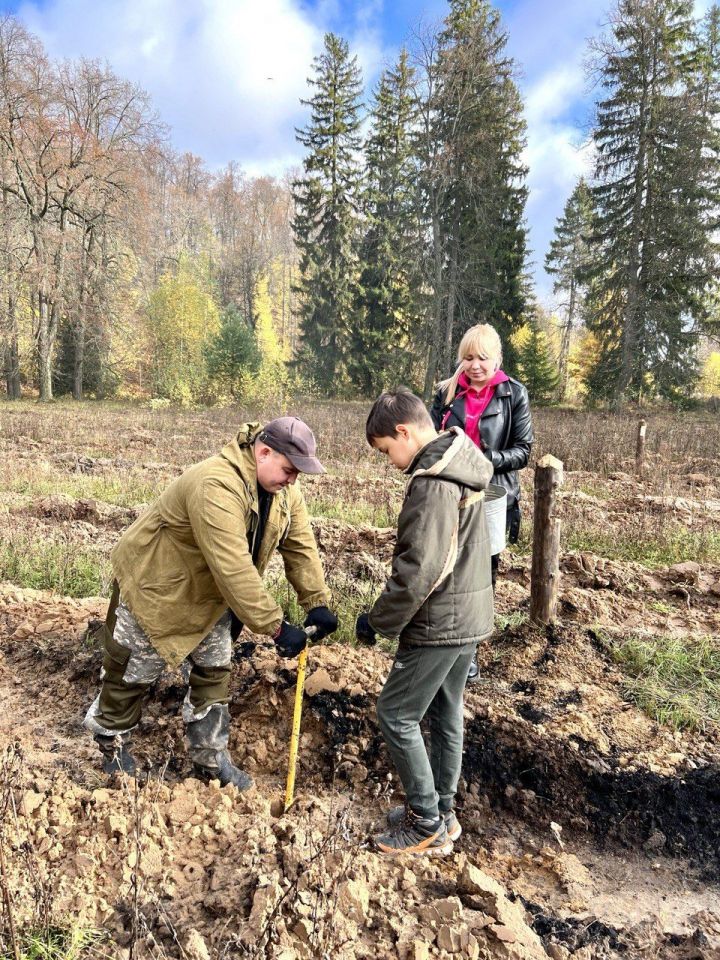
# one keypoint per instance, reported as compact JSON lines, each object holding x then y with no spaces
{"x":536,"y":366}
{"x":383,"y":341}
{"x":567,"y":261}
{"x":649,"y":248}
{"x":232,"y":352}
{"x":326,"y":218}
{"x":708,"y":90}
{"x":479,"y":121}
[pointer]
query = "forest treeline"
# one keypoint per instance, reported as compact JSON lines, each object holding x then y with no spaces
{"x":129,"y":269}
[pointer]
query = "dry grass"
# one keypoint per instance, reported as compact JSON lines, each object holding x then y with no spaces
{"x":676,"y":444}
{"x":589,"y":441}
{"x":125,"y":455}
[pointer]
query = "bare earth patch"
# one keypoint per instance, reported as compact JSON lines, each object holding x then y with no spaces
{"x":550,"y":743}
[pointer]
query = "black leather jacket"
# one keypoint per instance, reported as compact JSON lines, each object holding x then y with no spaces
{"x":505,"y":429}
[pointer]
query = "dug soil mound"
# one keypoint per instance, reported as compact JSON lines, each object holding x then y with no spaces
{"x":587,"y":829}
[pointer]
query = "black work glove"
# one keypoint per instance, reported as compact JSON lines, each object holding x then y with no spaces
{"x":289,"y":640}
{"x":324,"y":621}
{"x":364,"y":632}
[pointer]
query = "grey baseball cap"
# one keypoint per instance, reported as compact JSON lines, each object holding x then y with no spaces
{"x":293,"y":438}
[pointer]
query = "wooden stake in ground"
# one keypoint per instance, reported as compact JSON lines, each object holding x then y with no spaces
{"x":545,"y":574}
{"x":640,"y":449}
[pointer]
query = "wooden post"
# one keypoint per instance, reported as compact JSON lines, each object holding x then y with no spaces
{"x":640,"y":449}
{"x":545,"y":573}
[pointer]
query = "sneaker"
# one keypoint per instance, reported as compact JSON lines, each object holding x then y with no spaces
{"x":421,"y":836}
{"x":452,"y":823}
{"x":473,"y":672}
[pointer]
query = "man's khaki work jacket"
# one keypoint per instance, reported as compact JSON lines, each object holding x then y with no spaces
{"x":187,"y":558}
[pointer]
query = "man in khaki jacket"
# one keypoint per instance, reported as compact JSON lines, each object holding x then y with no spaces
{"x":192,"y":565}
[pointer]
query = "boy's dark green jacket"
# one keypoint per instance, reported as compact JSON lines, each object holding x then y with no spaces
{"x":440,"y":589}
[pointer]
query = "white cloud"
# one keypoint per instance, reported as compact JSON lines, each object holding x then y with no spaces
{"x":226,"y":75}
{"x":550,"y":43}
{"x":557,"y":154}
{"x":552,"y":92}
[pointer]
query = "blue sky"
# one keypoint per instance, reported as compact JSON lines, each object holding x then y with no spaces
{"x":227,"y":75}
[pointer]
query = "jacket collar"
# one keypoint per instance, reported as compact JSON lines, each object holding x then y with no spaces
{"x":503,"y":389}
{"x":439,"y":465}
{"x":239,"y":452}
{"x":446,"y":442}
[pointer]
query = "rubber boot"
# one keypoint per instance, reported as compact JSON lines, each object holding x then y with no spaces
{"x":208,"y":740}
{"x":116,"y":756}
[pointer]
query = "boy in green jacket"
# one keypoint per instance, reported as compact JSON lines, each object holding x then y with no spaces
{"x":438,"y":603}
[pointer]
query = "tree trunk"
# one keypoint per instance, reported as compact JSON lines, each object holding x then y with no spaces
{"x":81,"y":322}
{"x":564,"y":378}
{"x":448,"y":363}
{"x":48,"y":307}
{"x":44,"y":348}
{"x":631,"y":340}
{"x":78,"y":362}
{"x":431,"y":371}
{"x":12,"y":354}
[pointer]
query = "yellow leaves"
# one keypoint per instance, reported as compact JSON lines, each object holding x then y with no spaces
{"x":181,"y":313}
{"x":548,"y":333}
{"x":520,"y":337}
{"x":583,"y":358}
{"x":267,"y":338}
{"x":272,"y":381}
{"x":182,"y":316}
{"x":710,"y":377}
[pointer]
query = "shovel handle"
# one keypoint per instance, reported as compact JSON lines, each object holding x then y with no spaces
{"x":297,"y":714}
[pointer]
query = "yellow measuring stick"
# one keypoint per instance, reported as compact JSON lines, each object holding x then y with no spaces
{"x":297,"y":714}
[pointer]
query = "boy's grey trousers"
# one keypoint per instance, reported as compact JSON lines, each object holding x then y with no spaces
{"x":426,"y":680}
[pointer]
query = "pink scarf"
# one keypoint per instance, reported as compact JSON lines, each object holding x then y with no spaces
{"x":475,"y":403}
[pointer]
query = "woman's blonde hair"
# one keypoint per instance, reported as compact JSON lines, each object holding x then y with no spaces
{"x":482,"y":338}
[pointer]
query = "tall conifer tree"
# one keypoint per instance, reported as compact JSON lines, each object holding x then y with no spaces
{"x":326,"y":219}
{"x":567,"y":261}
{"x":479,"y":121}
{"x":650,"y":246}
{"x":708,"y":89}
{"x":383,"y":346}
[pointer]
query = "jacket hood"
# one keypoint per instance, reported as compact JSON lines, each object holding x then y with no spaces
{"x":239,"y":453}
{"x":452,"y":456}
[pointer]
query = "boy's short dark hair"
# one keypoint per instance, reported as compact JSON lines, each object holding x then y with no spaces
{"x":391,"y":408}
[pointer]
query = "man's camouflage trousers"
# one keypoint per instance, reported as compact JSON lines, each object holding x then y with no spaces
{"x":131,"y":664}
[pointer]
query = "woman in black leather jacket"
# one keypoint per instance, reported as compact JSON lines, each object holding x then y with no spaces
{"x":494,"y":410}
